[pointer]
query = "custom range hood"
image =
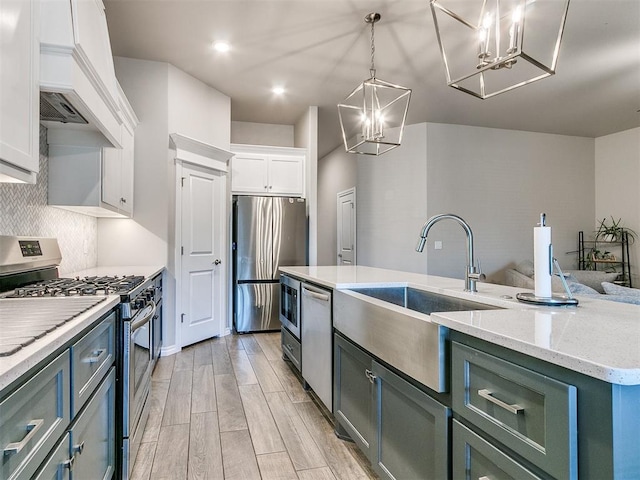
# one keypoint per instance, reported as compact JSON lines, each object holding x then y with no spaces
{"x":78,"y":88}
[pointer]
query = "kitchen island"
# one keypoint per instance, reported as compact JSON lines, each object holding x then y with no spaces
{"x":541,"y":392}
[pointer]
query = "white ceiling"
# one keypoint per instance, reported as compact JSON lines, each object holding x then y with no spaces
{"x":319,"y":50}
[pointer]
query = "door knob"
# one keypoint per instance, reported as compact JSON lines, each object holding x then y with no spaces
{"x":217,"y":261}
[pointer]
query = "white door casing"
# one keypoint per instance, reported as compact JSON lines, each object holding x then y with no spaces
{"x":207,"y":162}
{"x":346,"y":227}
{"x":203,"y":254}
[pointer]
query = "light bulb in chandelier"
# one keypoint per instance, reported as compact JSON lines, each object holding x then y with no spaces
{"x":372,"y":125}
{"x":490,"y":47}
{"x":373,"y":115}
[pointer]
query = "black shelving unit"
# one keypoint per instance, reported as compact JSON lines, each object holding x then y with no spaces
{"x":621,"y":265}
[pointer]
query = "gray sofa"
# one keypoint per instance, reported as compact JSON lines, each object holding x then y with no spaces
{"x":580,"y":282}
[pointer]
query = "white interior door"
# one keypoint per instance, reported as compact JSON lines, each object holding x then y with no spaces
{"x":203,"y":250}
{"x":347,"y":227}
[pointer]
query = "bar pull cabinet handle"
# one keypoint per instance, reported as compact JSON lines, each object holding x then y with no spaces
{"x":78,"y":448}
{"x":369,"y":374}
{"x":96,"y":356}
{"x":69,"y":463}
{"x":314,"y":294}
{"x":484,"y":477}
{"x":488,"y":395}
{"x":32,"y":428}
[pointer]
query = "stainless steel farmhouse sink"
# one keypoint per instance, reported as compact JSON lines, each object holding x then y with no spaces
{"x":421,"y":300}
{"x":393,"y":324}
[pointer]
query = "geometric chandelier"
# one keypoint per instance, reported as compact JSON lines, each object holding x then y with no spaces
{"x":493,"y":46}
{"x":373,"y":115}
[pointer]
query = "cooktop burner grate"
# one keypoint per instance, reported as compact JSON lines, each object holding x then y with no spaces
{"x":67,"y":287}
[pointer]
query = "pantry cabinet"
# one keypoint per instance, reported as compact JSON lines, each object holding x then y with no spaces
{"x":263,"y":170}
{"x":19,"y":90}
{"x":401,"y":429}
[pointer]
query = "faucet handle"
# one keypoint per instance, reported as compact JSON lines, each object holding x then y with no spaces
{"x":476,"y":273}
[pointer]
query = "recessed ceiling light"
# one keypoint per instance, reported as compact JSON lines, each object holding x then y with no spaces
{"x":278,"y":90}
{"x":221,"y":47}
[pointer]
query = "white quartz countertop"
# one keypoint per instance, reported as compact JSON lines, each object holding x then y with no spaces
{"x":14,"y":366}
{"x":598,"y":338}
{"x":146,"y":271}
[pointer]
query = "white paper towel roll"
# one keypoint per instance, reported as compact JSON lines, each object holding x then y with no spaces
{"x":542,"y":261}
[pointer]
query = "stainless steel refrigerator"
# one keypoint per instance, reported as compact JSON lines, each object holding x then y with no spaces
{"x":267,"y":232}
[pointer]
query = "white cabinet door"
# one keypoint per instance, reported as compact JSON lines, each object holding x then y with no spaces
{"x":285,"y":175}
{"x":111,"y":176}
{"x":265,"y":170}
{"x":249,"y":173}
{"x":126,"y":175}
{"x":19,"y":90}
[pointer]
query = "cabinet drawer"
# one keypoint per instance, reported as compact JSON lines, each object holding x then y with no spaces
{"x":91,"y":357}
{"x":474,"y":457}
{"x":57,"y":465}
{"x":531,"y":413}
{"x":93,"y":434}
{"x":291,"y":348}
{"x":33,"y":418}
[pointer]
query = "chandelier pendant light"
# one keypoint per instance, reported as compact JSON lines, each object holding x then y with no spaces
{"x":493,"y":46}
{"x":373,"y":115}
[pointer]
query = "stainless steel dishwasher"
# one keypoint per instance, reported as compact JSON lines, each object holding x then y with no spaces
{"x":317,"y":351}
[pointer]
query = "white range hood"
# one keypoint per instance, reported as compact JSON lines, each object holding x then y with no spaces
{"x":78,"y":100}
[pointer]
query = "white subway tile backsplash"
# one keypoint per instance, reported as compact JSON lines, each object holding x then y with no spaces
{"x":24,"y":212}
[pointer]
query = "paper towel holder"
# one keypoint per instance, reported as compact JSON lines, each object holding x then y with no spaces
{"x":554,"y":300}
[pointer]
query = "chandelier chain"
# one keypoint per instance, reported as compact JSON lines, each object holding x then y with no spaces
{"x":373,"y":49}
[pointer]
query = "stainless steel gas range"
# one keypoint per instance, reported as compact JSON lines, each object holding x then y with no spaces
{"x":31,"y":288}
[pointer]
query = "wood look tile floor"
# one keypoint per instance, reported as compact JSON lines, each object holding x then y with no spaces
{"x":231,"y":408}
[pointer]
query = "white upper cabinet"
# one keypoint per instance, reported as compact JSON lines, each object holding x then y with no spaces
{"x":95,"y":181}
{"x":117,"y":163}
{"x":263,"y":170}
{"x":19,"y":90}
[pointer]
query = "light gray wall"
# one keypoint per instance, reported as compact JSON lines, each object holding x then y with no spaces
{"x":337,"y":171}
{"x":499,"y":181}
{"x":306,"y":136}
{"x":618,"y":185}
{"x":166,"y":100}
{"x":251,"y":133}
{"x":391,"y":202}
{"x":144,"y":239}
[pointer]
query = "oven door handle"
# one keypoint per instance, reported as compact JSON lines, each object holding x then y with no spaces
{"x":136,"y":324}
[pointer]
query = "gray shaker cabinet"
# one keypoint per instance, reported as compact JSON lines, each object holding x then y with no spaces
{"x":402,"y":430}
{"x":352,"y":393}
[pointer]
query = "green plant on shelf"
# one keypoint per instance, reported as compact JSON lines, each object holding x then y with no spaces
{"x":614,"y":231}
{"x":594,"y":256}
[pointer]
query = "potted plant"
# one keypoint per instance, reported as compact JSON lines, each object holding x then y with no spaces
{"x":613,"y":232}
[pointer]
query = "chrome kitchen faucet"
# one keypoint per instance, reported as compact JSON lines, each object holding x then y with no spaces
{"x":472,"y":274}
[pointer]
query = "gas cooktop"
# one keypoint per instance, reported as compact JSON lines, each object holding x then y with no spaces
{"x":67,"y":287}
